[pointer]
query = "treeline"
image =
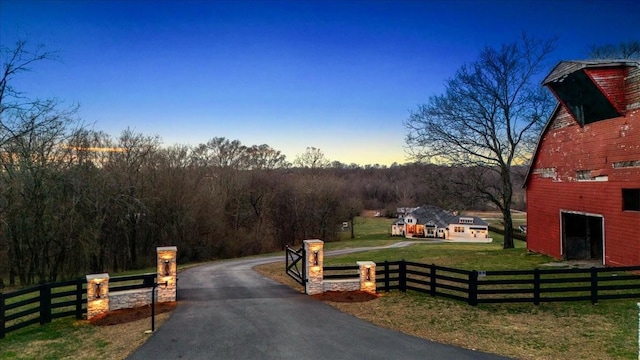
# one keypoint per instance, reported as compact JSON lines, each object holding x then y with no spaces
{"x":82,"y":202}
{"x":76,"y":201}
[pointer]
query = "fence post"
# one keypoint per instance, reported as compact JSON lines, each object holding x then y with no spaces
{"x":367,"y":272}
{"x":45,"y":304}
{"x":386,"y":276}
{"x":433,"y":287}
{"x":2,"y":322}
{"x":167,"y":273}
{"x":473,"y":288}
{"x":79,"y":299}
{"x":314,"y":273}
{"x":536,"y":286}
{"x":97,"y":295}
{"x":594,"y":285}
{"x":402,"y":274}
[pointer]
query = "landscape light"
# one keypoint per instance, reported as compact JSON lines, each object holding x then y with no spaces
{"x":97,"y":290}
{"x":368,"y":274}
{"x":167,"y":268}
{"x":315,"y":258}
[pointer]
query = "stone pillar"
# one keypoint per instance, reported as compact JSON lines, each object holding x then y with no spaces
{"x":97,"y":295}
{"x":314,"y":251}
{"x":167,"y":273}
{"x":367,"y":276}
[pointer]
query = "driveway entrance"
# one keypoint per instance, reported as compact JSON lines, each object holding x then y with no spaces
{"x":228,"y":311}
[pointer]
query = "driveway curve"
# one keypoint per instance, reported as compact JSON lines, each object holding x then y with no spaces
{"x":228,"y":311}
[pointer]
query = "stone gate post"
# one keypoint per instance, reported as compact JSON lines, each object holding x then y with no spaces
{"x":167,"y":273}
{"x":314,"y":251}
{"x":97,"y":295}
{"x":367,"y":276}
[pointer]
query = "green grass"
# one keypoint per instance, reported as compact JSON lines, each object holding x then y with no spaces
{"x":559,"y":330}
{"x":366,"y":228}
{"x":607,"y":330}
{"x":57,"y":340}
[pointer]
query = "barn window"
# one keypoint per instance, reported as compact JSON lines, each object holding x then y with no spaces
{"x":626,"y":164}
{"x":583,"y":98}
{"x":631,"y":199}
{"x":584,"y":175}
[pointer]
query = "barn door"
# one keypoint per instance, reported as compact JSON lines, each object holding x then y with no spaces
{"x":582,"y":236}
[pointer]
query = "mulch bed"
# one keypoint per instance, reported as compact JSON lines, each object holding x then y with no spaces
{"x":346,"y":296}
{"x":127,"y":315}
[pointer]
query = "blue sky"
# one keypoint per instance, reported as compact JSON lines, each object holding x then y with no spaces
{"x":341,"y":76}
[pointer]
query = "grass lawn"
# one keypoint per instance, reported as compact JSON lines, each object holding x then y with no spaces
{"x":576,"y":330}
{"x":68,"y":338}
{"x":525,"y":331}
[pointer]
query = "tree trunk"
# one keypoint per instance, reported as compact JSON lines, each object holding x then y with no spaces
{"x":507,"y":192}
{"x":508,"y":228}
{"x":351,"y":224}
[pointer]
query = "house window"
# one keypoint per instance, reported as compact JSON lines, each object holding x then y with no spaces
{"x":631,"y":199}
{"x":465,"y":220}
{"x":458,"y":229}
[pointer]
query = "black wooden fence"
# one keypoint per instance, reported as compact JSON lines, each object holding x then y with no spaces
{"x":341,"y":272}
{"x":42,"y":303}
{"x":534,"y":286}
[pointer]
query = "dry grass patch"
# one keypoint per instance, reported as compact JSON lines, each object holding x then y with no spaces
{"x":68,"y":338}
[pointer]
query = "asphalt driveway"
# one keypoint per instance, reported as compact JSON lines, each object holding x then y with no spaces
{"x":228,"y":311}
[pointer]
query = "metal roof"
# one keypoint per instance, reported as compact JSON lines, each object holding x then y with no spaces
{"x":565,"y":68}
{"x":429,"y":214}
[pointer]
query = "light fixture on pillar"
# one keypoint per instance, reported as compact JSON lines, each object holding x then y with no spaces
{"x":368,"y":273}
{"x":315,"y":262}
{"x":167,"y":267}
{"x":97,"y":286}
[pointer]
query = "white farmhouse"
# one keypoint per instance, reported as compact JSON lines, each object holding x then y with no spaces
{"x":432,"y":222}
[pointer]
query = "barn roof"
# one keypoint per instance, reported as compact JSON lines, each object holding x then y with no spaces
{"x":565,"y":68}
{"x":595,"y":102}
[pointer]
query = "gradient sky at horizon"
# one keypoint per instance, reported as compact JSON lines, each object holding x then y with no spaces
{"x":341,"y":76}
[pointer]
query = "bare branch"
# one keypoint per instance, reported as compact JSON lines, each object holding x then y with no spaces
{"x":486,"y":116}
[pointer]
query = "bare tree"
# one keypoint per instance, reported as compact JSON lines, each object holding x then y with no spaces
{"x":34,"y":209}
{"x":312,"y":158}
{"x":487,"y":119}
{"x":623,"y":50}
{"x":19,"y":114}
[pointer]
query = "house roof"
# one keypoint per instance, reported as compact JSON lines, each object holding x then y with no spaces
{"x":476,"y":220}
{"x":435,"y":216}
{"x":431,"y":215}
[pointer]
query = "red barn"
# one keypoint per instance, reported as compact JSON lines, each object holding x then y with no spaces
{"x":583,"y":187}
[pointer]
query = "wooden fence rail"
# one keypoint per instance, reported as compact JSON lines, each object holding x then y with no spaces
{"x":340,"y":272}
{"x":42,"y":303}
{"x":518,"y":286}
